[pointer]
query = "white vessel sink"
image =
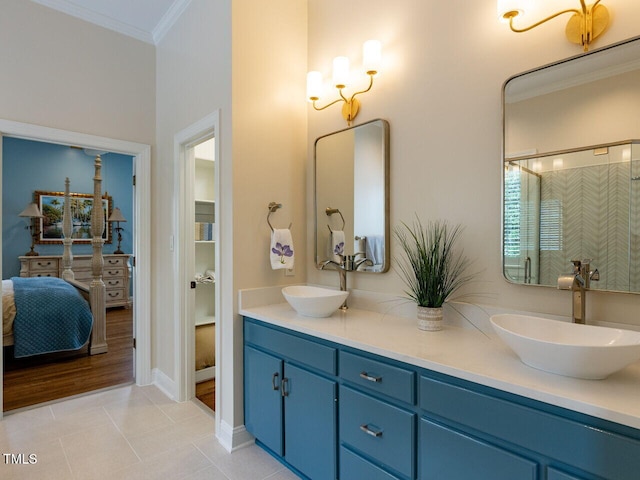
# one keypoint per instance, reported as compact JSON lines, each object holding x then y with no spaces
{"x":573,"y":350}
{"x":314,"y":301}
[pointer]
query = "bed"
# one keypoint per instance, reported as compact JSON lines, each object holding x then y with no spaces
{"x":45,"y":315}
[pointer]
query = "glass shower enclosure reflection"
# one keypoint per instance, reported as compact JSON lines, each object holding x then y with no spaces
{"x":578,"y":204}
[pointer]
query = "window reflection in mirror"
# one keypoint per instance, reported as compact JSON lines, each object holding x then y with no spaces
{"x":352,"y":195}
{"x":571,"y":169}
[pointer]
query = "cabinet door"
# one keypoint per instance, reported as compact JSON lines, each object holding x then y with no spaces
{"x":446,"y":453}
{"x":553,"y":474}
{"x":310,"y":423}
{"x":262,"y":398}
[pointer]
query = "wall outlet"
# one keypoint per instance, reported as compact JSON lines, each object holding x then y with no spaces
{"x":290,"y":272}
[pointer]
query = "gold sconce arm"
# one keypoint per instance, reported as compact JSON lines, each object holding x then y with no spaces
{"x":351,"y":104}
{"x":512,"y":15}
{"x":341,"y":78}
{"x":583,"y":27}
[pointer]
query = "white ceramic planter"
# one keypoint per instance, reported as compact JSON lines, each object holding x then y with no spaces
{"x":430,"y":319}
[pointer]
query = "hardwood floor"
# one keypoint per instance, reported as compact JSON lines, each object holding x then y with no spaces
{"x":206,"y":393}
{"x":43,"y":378}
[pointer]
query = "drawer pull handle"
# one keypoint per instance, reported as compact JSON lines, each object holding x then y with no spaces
{"x":285,"y":381}
{"x":113,"y":262}
{"x":42,"y":264}
{"x":374,"y":433}
{"x":371,"y":378}
{"x":273,"y":381}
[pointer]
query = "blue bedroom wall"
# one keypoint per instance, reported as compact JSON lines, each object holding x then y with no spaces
{"x":28,"y":166}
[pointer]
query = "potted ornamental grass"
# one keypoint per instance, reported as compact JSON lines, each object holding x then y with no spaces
{"x":432,"y":268}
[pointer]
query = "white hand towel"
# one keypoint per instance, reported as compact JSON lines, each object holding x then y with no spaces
{"x":281,"y":251}
{"x":337,"y":245}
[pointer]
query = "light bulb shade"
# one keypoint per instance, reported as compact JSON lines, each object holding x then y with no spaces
{"x":340,"y":72}
{"x":371,"y":56}
{"x":507,"y":6}
{"x":116,"y":216}
{"x":314,"y":85}
{"x":32,"y":210}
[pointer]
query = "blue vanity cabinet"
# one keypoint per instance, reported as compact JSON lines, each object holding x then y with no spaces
{"x":291,"y":399}
{"x":542,"y":442}
{"x":447,"y":453}
{"x":263,"y":413}
{"x":378,"y":421}
{"x":332,"y":411}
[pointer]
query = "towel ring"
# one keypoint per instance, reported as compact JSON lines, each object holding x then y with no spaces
{"x":330,"y":211}
{"x":273,"y":206}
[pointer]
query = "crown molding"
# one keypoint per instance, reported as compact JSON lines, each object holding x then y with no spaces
{"x":164,"y":25}
{"x":168,"y":19}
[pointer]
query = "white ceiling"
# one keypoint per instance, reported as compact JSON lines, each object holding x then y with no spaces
{"x":146,"y":20}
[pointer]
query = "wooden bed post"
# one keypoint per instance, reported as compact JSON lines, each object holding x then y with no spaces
{"x":67,"y":256}
{"x":97,"y":289}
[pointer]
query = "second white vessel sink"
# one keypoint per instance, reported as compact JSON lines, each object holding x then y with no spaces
{"x":573,"y":350}
{"x":314,"y":301}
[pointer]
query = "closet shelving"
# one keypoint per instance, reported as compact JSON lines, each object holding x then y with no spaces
{"x":205,"y":234}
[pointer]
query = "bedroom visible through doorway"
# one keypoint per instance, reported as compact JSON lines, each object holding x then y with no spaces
{"x":34,"y":172}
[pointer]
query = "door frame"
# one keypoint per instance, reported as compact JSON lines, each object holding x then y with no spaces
{"x":142,"y":214}
{"x":207,"y":127}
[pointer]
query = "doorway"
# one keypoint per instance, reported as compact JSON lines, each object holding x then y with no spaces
{"x":34,"y":174}
{"x":198,"y":303}
{"x":141,"y":214}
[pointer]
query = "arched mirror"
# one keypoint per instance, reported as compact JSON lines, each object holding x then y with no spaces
{"x":352,"y":196}
{"x":571,"y":183}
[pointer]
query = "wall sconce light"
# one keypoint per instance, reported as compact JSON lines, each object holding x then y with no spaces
{"x":116,"y":216}
{"x":583,"y":27}
{"x":33,"y":213}
{"x":371,"y":56}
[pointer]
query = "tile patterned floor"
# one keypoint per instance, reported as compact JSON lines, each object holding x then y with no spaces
{"x":127,"y":433}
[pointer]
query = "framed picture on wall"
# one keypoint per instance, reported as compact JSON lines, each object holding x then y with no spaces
{"x":51,"y":206}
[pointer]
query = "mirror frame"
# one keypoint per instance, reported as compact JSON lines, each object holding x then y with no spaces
{"x":387,"y":229}
{"x":503,"y":151}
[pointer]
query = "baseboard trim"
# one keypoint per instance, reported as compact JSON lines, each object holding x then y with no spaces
{"x":232,"y":438}
{"x":164,"y":383}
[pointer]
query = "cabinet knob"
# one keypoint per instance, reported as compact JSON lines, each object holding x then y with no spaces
{"x":371,"y":378}
{"x":374,"y":433}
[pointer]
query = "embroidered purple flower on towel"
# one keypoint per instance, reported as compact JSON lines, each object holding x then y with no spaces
{"x":282,"y":251}
{"x":339,"y":249}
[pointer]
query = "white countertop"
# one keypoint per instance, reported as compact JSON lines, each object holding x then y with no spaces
{"x":467,"y":353}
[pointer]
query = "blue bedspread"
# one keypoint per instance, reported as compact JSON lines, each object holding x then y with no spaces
{"x":51,"y":316}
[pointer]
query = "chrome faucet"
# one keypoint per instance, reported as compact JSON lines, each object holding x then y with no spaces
{"x":578,"y":282}
{"x":348,"y":263}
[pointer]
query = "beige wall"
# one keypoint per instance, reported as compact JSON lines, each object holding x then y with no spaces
{"x":269,"y":147}
{"x":61,"y":72}
{"x":247,"y":59}
{"x":440,"y":88}
{"x":193,"y":80}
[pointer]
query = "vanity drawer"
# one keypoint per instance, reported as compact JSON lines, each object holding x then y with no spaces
{"x":303,"y":351}
{"x":43,"y":265}
{"x":474,"y":459}
{"x":378,"y":377}
{"x":565,"y":439}
{"x":354,"y":466}
{"x":379,"y":430}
